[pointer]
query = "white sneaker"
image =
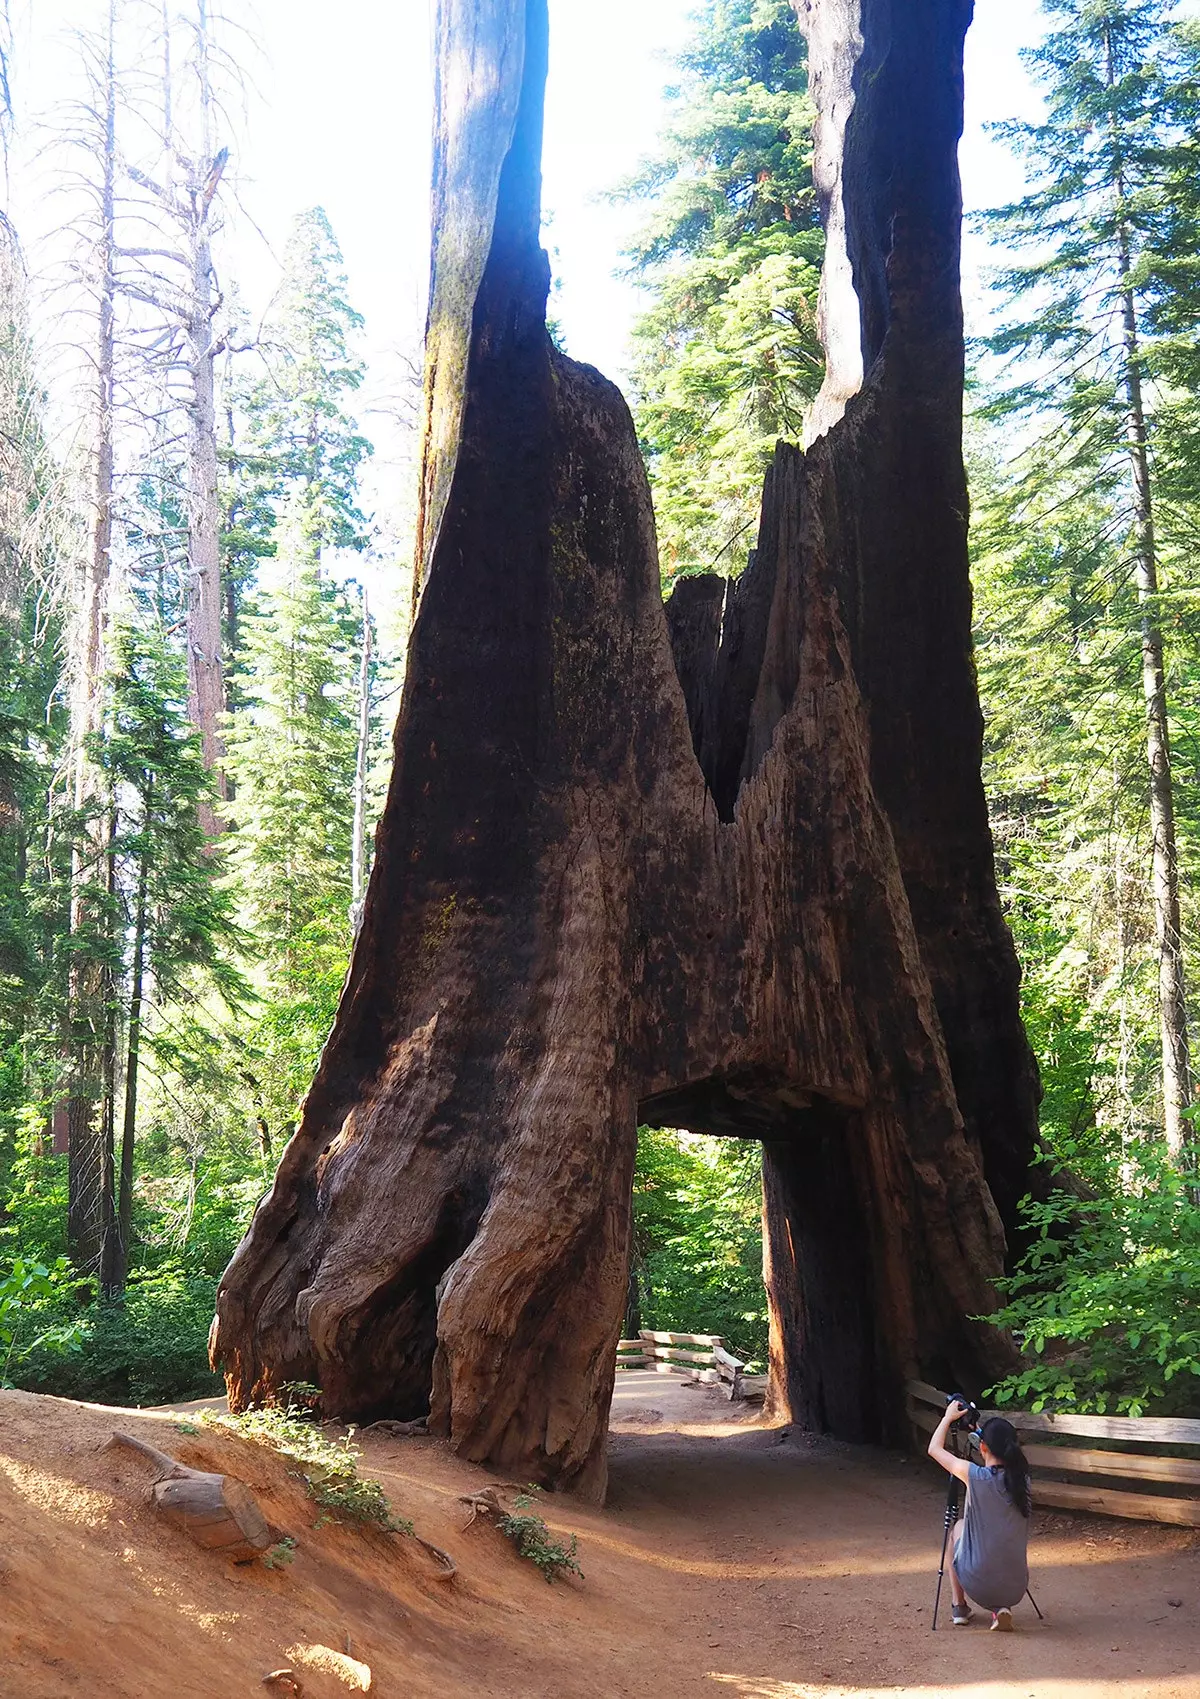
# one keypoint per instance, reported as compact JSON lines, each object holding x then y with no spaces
{"x":1002,"y":1622}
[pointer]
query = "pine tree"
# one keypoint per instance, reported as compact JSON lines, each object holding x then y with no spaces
{"x":290,"y":429}
{"x":293,"y":748}
{"x":727,"y":357}
{"x":178,"y":920}
{"x":35,"y":533}
{"x":1092,"y":227}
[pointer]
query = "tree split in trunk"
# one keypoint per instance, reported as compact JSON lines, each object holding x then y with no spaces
{"x":724,"y":865}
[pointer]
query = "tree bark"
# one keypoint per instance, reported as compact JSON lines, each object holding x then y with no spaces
{"x":723,"y":866}
{"x":206,"y":683}
{"x":358,"y":846}
{"x":206,"y":686}
{"x":133,"y":1051}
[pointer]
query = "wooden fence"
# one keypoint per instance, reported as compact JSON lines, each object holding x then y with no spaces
{"x":1124,"y":1458}
{"x":702,"y":1356}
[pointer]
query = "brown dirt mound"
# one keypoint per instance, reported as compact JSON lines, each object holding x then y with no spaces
{"x":732,"y":1559}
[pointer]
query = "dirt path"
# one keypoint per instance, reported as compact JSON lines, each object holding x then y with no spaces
{"x":808,"y":1569}
{"x":732,"y":1559}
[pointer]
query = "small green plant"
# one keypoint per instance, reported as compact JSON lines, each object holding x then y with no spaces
{"x":25,"y":1290}
{"x":281,"y":1553}
{"x":328,"y":1468}
{"x":301,"y":1395}
{"x":531,"y":1537}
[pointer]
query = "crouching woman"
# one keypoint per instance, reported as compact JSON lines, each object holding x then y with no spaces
{"x":990,"y":1564}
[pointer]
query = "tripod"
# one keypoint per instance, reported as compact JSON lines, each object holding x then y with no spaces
{"x":951,"y":1518}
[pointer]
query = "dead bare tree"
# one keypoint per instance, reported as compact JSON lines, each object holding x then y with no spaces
{"x":175,"y":197}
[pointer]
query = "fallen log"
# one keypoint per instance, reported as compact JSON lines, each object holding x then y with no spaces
{"x":216,"y":1511}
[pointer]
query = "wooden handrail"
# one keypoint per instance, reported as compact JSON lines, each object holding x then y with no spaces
{"x":1115,"y":1463}
{"x":701,"y":1355}
{"x":1146,"y":1430}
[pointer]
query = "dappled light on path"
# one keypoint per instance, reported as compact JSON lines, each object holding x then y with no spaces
{"x":734,"y":1560}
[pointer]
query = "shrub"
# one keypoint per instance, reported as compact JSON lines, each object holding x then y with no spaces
{"x":531,"y":1537}
{"x":149,"y":1347}
{"x":1105,"y":1304}
{"x":328,"y":1468}
{"x":28,"y":1293}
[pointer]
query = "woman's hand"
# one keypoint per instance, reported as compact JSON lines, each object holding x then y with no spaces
{"x":958,"y":1466}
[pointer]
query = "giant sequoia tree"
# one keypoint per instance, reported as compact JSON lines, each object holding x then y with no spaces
{"x":723,"y":866}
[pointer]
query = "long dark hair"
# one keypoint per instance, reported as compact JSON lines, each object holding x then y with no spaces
{"x":1000,"y":1437}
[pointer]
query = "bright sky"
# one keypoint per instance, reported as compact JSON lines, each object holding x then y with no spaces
{"x":339,"y":116}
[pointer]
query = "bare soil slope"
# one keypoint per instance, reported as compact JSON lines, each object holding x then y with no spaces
{"x":732,"y":1559}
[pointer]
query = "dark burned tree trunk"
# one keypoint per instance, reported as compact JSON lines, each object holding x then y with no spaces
{"x":723,"y":866}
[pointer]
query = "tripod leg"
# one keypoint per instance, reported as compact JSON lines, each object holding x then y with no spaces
{"x":941,"y":1572}
{"x":1034,"y":1603}
{"x":950,"y":1519}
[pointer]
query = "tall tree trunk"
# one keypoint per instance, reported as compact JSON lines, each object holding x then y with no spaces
{"x":133,"y":1049}
{"x":724,"y":866}
{"x":109,"y":1252}
{"x":1172,"y":985}
{"x":358,"y":848}
{"x":88,"y":1019}
{"x":206,"y":684}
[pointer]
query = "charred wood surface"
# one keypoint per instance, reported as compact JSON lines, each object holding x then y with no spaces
{"x":724,"y":865}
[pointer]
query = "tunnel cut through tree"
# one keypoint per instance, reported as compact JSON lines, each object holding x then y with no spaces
{"x":723,"y":866}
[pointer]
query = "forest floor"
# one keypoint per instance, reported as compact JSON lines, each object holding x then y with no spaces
{"x":732,"y":1559}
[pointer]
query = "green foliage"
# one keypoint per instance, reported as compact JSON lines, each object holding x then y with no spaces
{"x":26,"y":1291}
{"x":727,"y":355}
{"x":280,"y":1554}
{"x":35,"y":524}
{"x":697,"y":1239}
{"x":167,"y":869}
{"x":295,"y":434}
{"x":1106,"y":1302}
{"x":1091,"y":322}
{"x":149,"y":1346}
{"x":35,"y":1189}
{"x":1064,"y":767}
{"x":328,"y":1468}
{"x":198,"y":1184}
{"x":531,"y":1537}
{"x":292,"y":747}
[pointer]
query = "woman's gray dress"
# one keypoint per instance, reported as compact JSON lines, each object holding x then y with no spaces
{"x":991,"y":1557}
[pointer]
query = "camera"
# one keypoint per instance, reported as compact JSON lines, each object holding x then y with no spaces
{"x":965,"y":1423}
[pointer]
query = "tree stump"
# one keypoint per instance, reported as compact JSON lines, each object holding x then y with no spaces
{"x":723,"y":866}
{"x":216,"y":1511}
